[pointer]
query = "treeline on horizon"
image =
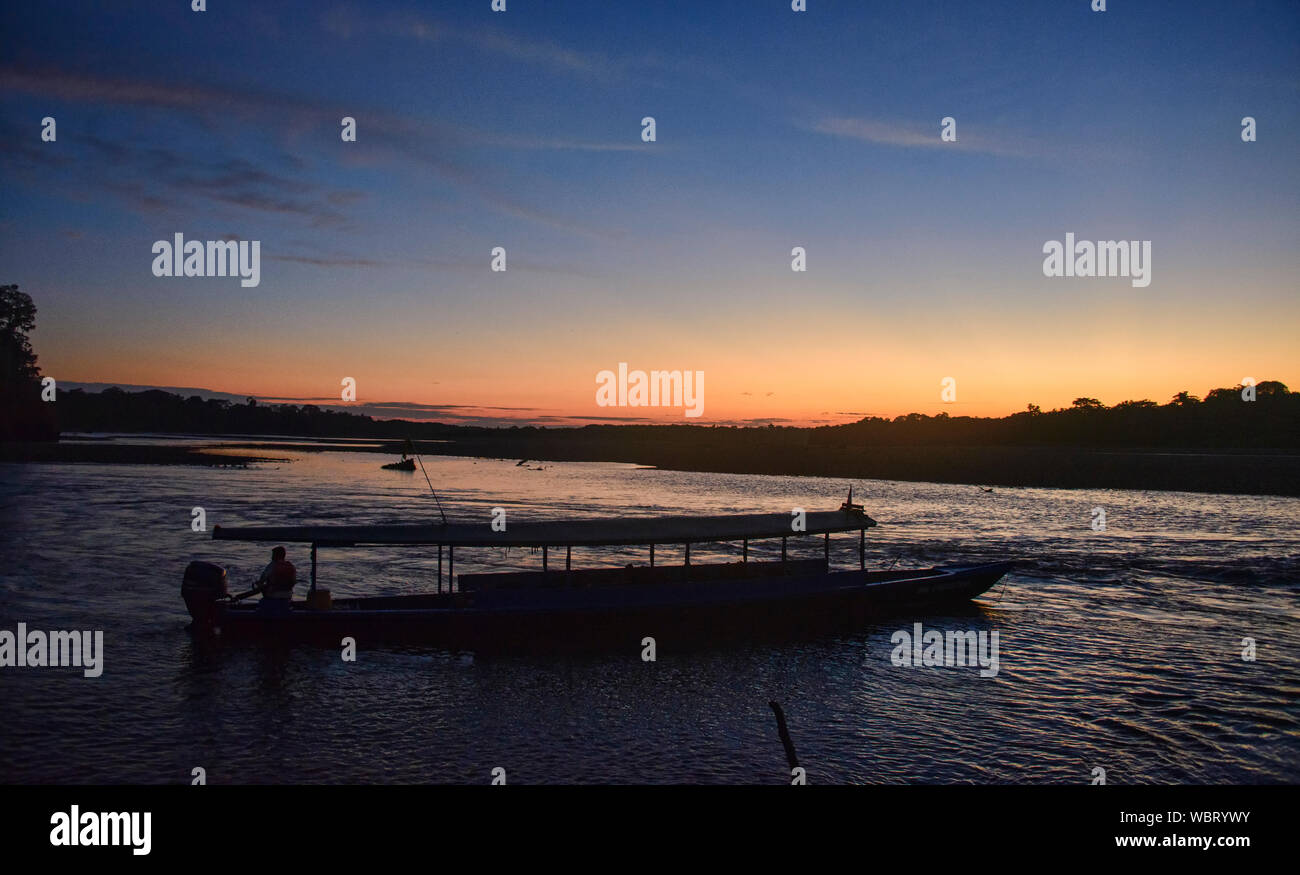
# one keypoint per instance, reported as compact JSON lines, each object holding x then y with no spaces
{"x":1222,"y":420}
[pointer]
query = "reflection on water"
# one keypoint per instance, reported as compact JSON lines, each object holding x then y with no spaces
{"x":1119,"y":649}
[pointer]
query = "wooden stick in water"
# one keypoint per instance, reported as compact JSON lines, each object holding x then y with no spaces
{"x":784,"y":732}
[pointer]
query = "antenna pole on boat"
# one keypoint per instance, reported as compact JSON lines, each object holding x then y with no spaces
{"x":427,"y":480}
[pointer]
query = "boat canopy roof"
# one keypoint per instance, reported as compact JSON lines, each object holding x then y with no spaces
{"x":559,"y":533}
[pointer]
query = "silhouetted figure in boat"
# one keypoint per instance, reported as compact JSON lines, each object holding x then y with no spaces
{"x":852,"y":508}
{"x":276,"y":583}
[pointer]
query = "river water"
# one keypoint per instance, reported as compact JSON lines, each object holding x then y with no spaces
{"x":1120,"y":649}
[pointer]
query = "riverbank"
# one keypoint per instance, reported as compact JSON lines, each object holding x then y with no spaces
{"x":106,"y":453}
{"x":1233,"y":472}
{"x":1228,"y":472}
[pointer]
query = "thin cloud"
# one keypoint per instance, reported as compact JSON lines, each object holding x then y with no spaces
{"x":522,"y":265}
{"x":321,"y":261}
{"x":153,"y":179}
{"x":395,"y":138}
{"x":234,"y":182}
{"x":347,"y":22}
{"x":911,"y":136}
{"x":540,"y":144}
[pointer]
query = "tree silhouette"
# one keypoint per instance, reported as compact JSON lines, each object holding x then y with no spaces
{"x":23,"y":416}
{"x":17,"y":317}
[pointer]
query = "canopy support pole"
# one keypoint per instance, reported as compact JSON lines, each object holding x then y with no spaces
{"x":313,"y":566}
{"x":568,"y":557}
{"x":544,"y":549}
{"x":826,"y":550}
{"x":440,"y":568}
{"x":744,"y":550}
{"x":451,"y":566}
{"x":783,"y":537}
{"x":862,"y":549}
{"x":652,"y":555}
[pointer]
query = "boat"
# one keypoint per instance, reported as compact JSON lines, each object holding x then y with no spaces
{"x":404,"y":465}
{"x":558,"y":605}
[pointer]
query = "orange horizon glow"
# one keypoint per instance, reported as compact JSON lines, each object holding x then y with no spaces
{"x":824,"y":383}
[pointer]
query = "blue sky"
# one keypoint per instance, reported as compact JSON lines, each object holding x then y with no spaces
{"x":775,"y":129}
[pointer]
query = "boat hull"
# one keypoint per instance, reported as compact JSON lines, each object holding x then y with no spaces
{"x":576,"y":617}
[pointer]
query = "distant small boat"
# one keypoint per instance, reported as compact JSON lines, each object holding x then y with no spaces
{"x":404,"y":465}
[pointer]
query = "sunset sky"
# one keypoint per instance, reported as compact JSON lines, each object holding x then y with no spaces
{"x":775,"y":129}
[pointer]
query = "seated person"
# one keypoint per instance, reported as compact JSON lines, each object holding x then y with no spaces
{"x":276,"y":583}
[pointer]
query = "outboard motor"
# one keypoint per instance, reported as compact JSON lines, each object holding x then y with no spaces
{"x":203,"y":586}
